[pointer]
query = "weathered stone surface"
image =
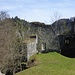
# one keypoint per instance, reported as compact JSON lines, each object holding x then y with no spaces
{"x":46,"y":35}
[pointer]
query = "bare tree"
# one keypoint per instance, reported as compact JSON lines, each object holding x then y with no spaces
{"x":56,"y":16}
{"x":3,"y":15}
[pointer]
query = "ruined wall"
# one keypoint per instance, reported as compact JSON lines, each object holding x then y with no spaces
{"x":31,"y":49}
{"x":46,"y":35}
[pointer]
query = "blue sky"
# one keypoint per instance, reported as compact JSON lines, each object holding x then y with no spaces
{"x":38,"y":10}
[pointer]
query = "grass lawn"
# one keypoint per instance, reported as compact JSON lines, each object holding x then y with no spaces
{"x":51,"y":64}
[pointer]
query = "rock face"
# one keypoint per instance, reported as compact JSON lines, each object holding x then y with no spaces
{"x":46,"y":36}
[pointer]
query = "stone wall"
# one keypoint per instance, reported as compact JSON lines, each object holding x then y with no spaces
{"x":31,"y":49}
{"x":46,"y":35}
{"x":31,"y":43}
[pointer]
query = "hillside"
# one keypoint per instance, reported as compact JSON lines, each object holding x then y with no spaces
{"x":13,"y":33}
{"x":64,"y":26}
{"x":51,"y":64}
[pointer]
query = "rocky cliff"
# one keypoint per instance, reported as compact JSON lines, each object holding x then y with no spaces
{"x":46,"y":35}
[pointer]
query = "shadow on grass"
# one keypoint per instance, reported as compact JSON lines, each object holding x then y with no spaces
{"x":67,"y":53}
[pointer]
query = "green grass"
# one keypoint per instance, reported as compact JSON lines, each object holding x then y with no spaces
{"x":51,"y":64}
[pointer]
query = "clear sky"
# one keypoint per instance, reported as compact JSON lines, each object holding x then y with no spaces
{"x":38,"y":10}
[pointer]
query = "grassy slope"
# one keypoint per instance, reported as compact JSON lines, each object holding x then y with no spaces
{"x":51,"y":64}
